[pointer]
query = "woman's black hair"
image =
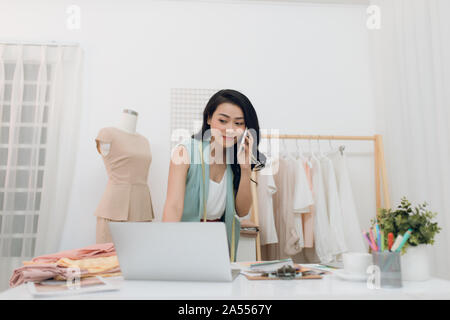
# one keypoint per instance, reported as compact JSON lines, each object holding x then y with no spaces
{"x":250,"y":120}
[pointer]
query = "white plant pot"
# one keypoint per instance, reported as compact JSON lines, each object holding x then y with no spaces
{"x":415,"y":264}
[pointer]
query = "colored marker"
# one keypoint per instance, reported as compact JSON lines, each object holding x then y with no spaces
{"x":397,"y":242}
{"x":374,"y":235}
{"x":382,"y":240}
{"x":390,"y":240}
{"x":405,"y":238}
{"x":372,"y":239}
{"x":366,"y":236}
{"x":377,"y":230}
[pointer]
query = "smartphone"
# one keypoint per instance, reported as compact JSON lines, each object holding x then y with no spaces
{"x":242,"y":143}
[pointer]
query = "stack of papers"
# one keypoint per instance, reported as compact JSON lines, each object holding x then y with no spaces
{"x":255,"y":229}
{"x":248,"y":227}
{"x":271,"y":266}
{"x":258,"y":268}
{"x":262,"y":268}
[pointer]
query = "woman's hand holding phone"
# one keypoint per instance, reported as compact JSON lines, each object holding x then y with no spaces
{"x":244,"y":148}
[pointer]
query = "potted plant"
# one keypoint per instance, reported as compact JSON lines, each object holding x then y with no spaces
{"x":414,"y":259}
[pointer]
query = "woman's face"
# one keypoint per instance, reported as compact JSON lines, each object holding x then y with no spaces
{"x":227,"y":123}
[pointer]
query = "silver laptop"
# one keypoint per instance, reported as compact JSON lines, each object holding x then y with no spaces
{"x":186,"y":251}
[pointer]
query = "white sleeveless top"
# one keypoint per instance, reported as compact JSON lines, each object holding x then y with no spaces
{"x":215,"y":205}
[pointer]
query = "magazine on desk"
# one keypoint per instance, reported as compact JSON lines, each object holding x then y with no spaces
{"x":63,"y":287}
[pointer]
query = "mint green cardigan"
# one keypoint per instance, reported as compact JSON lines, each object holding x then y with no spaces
{"x":193,"y":200}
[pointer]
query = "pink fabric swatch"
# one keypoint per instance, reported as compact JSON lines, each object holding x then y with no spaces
{"x":38,"y":272}
{"x":93,"y":251}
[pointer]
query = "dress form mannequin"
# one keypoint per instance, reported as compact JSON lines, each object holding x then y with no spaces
{"x":128,"y":122}
{"x":127,"y":159}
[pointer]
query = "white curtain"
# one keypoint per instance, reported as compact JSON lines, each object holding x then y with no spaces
{"x":40,"y":115}
{"x":411,"y":68}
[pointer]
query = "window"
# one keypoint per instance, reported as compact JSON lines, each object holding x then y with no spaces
{"x":24,"y":109}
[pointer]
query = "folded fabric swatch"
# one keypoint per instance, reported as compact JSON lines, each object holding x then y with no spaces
{"x":39,"y":272}
{"x":92,"y":265}
{"x":95,"y":260}
{"x":104,"y":266}
{"x":96,"y":250}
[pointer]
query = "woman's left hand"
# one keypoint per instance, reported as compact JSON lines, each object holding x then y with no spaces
{"x":243,"y":157}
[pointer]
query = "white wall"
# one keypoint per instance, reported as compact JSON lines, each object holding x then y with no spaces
{"x":305,"y":68}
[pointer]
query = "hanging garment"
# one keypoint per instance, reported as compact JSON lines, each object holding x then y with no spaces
{"x":127,"y":196}
{"x":352,"y":230}
{"x":303,"y":196}
{"x":271,"y":251}
{"x":298,"y":221}
{"x":308,"y":217}
{"x":303,"y":199}
{"x":288,"y":234}
{"x":323,"y":241}
{"x":265,"y":189}
{"x":334,"y":206}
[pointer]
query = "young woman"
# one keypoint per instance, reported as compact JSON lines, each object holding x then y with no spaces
{"x":208,"y":179}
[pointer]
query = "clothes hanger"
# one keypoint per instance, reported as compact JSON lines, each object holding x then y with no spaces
{"x":298,"y":154}
{"x":291,"y":155}
{"x":310,"y":147}
{"x":284,"y":152}
{"x":321,"y":155}
{"x":311,"y":154}
{"x":300,"y":151}
{"x":332,"y":149}
{"x":269,"y":158}
{"x":302,"y":155}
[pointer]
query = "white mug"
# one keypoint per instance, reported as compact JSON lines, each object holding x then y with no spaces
{"x":356,"y":262}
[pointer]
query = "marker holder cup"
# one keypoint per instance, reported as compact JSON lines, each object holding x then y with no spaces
{"x":390,"y":268}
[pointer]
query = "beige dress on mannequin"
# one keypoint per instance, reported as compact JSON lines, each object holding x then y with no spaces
{"x":127,"y":196}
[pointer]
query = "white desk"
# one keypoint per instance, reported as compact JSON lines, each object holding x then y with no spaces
{"x":330,"y":287}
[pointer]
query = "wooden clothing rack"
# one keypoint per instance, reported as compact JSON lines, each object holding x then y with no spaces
{"x":380,"y":172}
